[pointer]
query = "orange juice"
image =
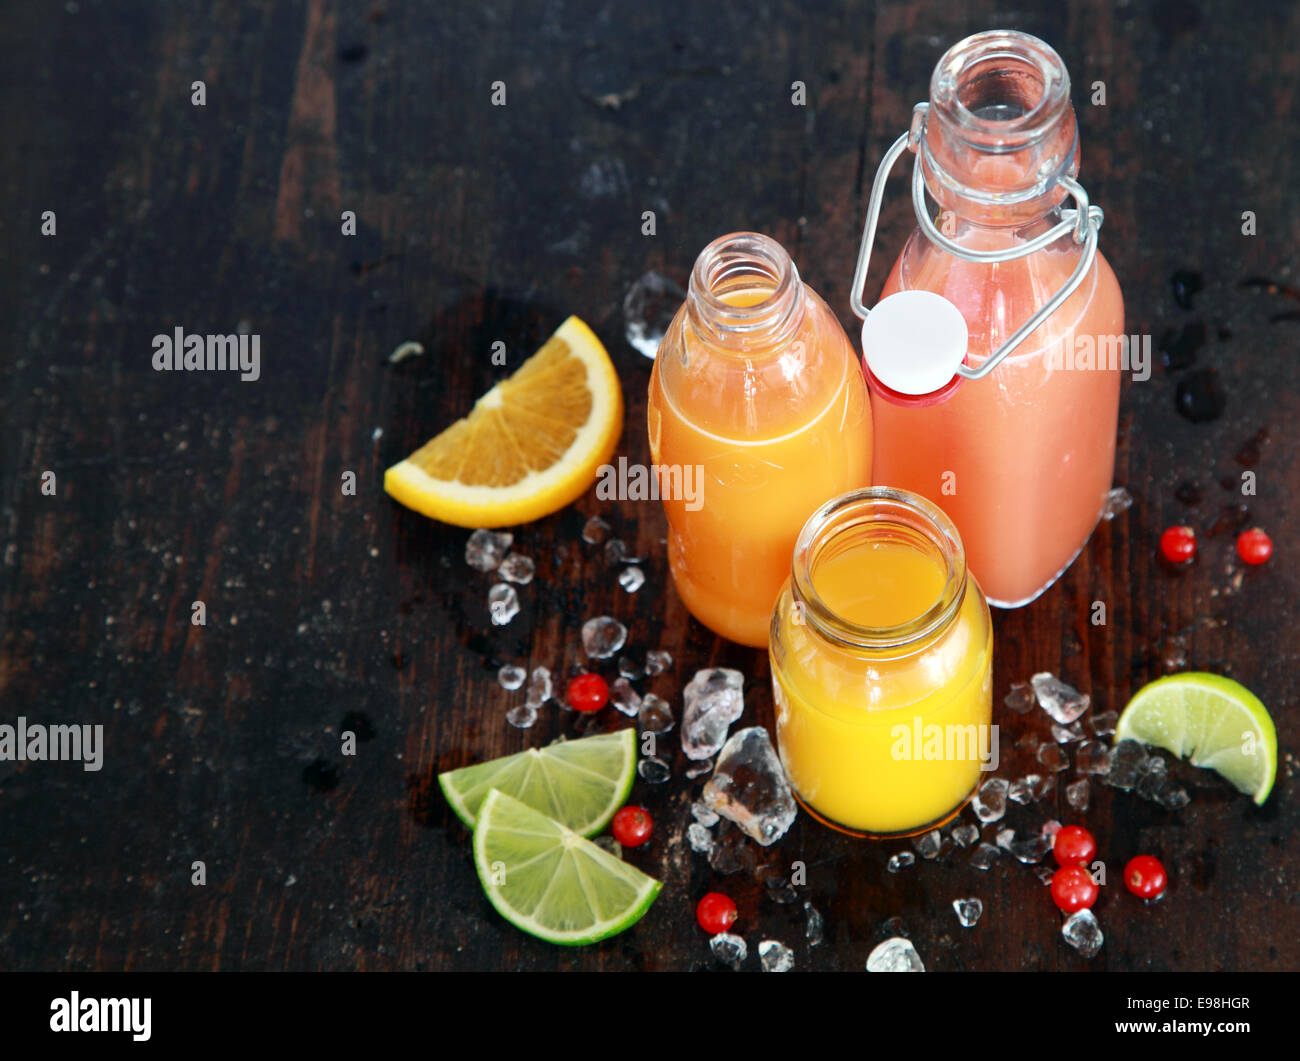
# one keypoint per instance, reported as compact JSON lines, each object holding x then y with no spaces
{"x":881,"y":651}
{"x":756,"y":384}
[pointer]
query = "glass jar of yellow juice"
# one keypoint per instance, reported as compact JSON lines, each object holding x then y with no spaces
{"x":881,"y":649}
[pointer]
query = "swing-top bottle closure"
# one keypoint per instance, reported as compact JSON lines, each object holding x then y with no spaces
{"x":914,"y":342}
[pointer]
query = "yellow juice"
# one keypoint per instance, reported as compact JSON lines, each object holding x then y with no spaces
{"x":881,"y":652}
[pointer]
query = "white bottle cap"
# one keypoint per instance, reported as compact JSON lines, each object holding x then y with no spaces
{"x":913,"y":341}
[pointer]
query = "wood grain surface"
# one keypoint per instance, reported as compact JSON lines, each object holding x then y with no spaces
{"x":477,"y":224}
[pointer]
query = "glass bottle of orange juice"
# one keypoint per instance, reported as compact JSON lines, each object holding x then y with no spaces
{"x":755,"y":384}
{"x":995,"y":374}
{"x":881,"y":649}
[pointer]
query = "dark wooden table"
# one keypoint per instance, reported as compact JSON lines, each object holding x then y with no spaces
{"x":476,"y":224}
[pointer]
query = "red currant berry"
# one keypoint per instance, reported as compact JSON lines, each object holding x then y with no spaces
{"x":1254,"y":546}
{"x":1178,"y":544}
{"x":587,"y":692}
{"x":715,"y":913}
{"x":1073,"y":844}
{"x":1073,"y":888}
{"x":632,"y":826}
{"x":1145,"y":877}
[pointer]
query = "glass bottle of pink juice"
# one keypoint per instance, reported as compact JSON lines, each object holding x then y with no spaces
{"x":994,"y":368}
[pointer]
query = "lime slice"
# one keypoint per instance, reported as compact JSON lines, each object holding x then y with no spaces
{"x":580,"y":783}
{"x":1215,"y":722}
{"x":549,"y":881}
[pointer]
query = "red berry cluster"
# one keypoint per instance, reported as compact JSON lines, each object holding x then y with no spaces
{"x":1178,"y":545}
{"x":1073,"y":888}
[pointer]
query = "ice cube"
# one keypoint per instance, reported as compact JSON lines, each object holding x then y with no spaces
{"x":704,"y":814}
{"x":539,"y":687}
{"x":700,"y":839}
{"x":990,"y":802}
{"x":518,"y":569}
{"x":965,"y":835}
{"x":749,"y":787}
{"x":1020,"y":791}
{"x":1066,"y":734}
{"x":616,"y":552}
{"x":503,"y":603}
{"x":1050,"y":828}
{"x":1083,"y":933}
{"x":654,"y":770}
{"x":486,"y":549}
{"x":1020,"y":699}
{"x":728,"y":949}
{"x":522,"y":716}
{"x":1103,"y":725}
{"x":1078,"y":794}
{"x":511,"y":677}
{"x":928,"y":845}
{"x":1063,"y":702}
{"x":895,"y":955}
{"x":1172,"y":796}
{"x":1092,"y":757}
{"x":1153,"y":764}
{"x":984,"y":856}
{"x":1044,"y":874}
{"x":1152,"y":779}
{"x":1052,"y":757}
{"x":814,"y":927}
{"x":631,"y":578}
{"x":1117,"y":500}
{"x":901,"y":861}
{"x":968,"y":911}
{"x":776,"y":957}
{"x":713,"y":700}
{"x":594,"y":530}
{"x":1005,"y":838}
{"x":656,"y":662}
{"x":655,"y":714}
{"x":1032,"y":849}
{"x":625,"y":698}
{"x":630,"y":669}
{"x":602,"y":637}
{"x":648,"y":309}
{"x":1126,"y":759}
{"x":779,"y":887}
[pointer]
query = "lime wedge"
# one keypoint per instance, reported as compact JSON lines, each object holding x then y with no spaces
{"x":549,"y":881}
{"x":1213,"y":721}
{"x":579,"y":783}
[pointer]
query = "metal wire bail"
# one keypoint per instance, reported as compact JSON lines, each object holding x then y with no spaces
{"x":1082,"y":224}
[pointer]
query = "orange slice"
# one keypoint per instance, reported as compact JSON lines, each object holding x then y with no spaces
{"x":530,"y":446}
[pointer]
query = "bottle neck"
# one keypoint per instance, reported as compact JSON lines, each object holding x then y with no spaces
{"x":745,"y":294}
{"x":865,"y":519}
{"x":1000,"y":130}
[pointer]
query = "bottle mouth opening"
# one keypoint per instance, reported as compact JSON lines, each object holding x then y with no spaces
{"x":859,"y":520}
{"x":1002,"y":89}
{"x":744,"y":285}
